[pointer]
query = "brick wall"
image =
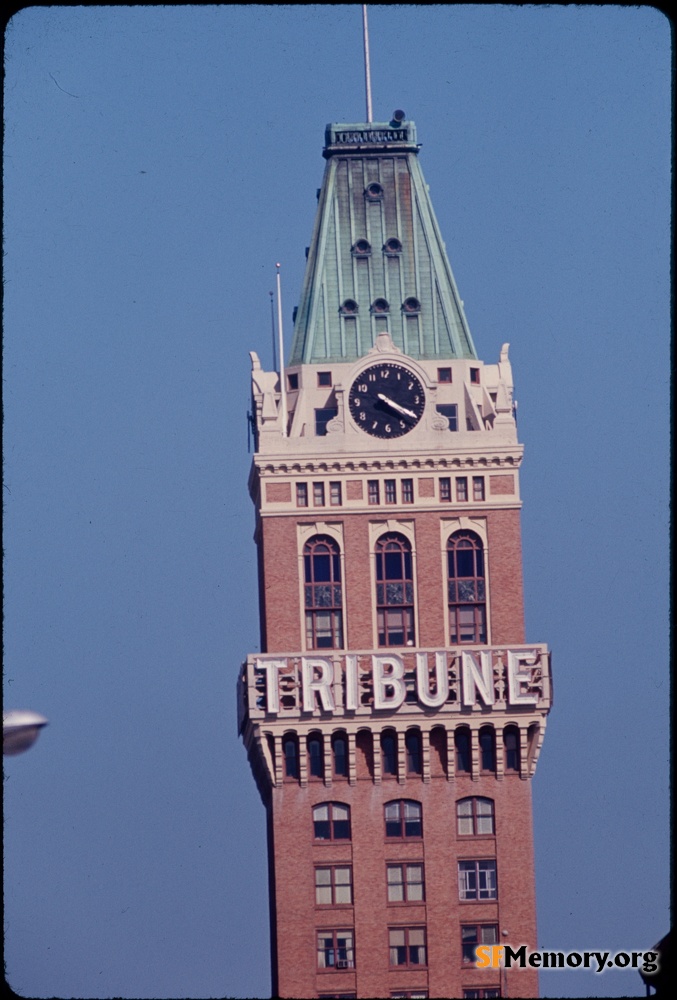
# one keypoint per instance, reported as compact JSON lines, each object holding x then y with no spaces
{"x":281,"y":567}
{"x":442,"y":914}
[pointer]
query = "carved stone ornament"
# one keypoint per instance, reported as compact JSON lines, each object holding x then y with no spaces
{"x":439,"y":423}
{"x":384,"y":344}
{"x":335,"y":426}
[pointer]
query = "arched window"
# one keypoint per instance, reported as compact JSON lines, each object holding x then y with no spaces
{"x":403,"y":819}
{"x":463,"y":754}
{"x":339,"y":746}
{"x":487,"y":749}
{"x":331,"y":821}
{"x":389,"y":752}
{"x":323,"y":598}
{"x":315,"y":756}
{"x":412,"y":742}
{"x":467,"y":592}
{"x":511,"y":748}
{"x":475,"y":816}
{"x":394,"y":591}
{"x":290,"y":750}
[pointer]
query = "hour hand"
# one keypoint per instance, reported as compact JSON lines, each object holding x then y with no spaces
{"x":396,"y":406}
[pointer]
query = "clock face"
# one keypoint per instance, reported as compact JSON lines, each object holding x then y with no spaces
{"x":386,"y":400}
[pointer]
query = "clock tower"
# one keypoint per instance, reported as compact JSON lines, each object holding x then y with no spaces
{"x":394,"y":716}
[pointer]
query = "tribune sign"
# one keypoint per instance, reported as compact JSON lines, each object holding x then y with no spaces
{"x":512,"y":677}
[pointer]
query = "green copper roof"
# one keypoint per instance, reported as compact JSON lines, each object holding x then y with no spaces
{"x":376,"y":260}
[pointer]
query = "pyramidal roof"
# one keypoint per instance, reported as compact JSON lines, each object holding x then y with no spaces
{"x":377,"y":261}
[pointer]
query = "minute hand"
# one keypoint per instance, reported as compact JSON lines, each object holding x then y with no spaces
{"x":396,"y":406}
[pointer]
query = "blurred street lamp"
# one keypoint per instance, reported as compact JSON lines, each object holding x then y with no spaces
{"x":20,"y":730}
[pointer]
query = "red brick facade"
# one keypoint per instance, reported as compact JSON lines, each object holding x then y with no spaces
{"x":295,"y":853}
{"x":282,"y":585}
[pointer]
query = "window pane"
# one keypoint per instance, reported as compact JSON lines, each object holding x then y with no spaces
{"x":485,"y":816}
{"x":393,"y":811}
{"x":344,"y":894}
{"x":464,"y":815}
{"x":323,"y":886}
{"x":325,"y":949}
{"x":414,"y":883}
{"x":467,"y":880}
{"x":489,"y":934}
{"x":395,"y":886}
{"x":417,"y":936}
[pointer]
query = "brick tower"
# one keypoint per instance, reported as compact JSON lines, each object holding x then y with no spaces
{"x":395,"y":714}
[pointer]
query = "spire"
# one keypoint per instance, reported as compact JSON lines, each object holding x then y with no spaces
{"x":377,"y":261}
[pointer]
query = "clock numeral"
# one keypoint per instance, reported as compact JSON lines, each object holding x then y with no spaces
{"x":356,"y":402}
{"x":410,"y":386}
{"x":416,"y":400}
{"x":371,"y":377}
{"x":363,"y":387}
{"x":387,"y":428}
{"x":402,"y":423}
{"x":385,"y":373}
{"x":374,"y":425}
{"x":363,"y":415}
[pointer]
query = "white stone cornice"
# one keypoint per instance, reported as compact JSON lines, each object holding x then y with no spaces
{"x":478,"y":461}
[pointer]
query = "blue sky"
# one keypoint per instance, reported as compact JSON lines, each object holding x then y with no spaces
{"x":158,"y":162}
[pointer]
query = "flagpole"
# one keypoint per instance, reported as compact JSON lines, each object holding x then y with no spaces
{"x":367,"y":71}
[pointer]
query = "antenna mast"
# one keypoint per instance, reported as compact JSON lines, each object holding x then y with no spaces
{"x":283,"y":388}
{"x":367,"y":72}
{"x":272,"y":328}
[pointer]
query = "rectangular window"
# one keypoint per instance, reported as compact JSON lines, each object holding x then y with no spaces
{"x":477,"y":880}
{"x":445,"y":489}
{"x":450,"y":411}
{"x":293,"y":381}
{"x":444,"y":374}
{"x":333,"y":886}
{"x":475,"y":376}
{"x":412,"y":994}
{"x":302,"y":494}
{"x":318,"y":494}
{"x":474,"y":934}
{"x":461,"y":489}
{"x":322,"y":418}
{"x":481,"y":994}
{"x":405,"y":883}
{"x":390,"y":491}
{"x":373,"y":491}
{"x":323,"y":378}
{"x":335,"y":950}
{"x":407,"y":946}
{"x":407,"y":491}
{"x":335,"y":494}
{"x":478,"y":487}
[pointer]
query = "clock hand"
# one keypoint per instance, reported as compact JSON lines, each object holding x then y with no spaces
{"x":396,"y":406}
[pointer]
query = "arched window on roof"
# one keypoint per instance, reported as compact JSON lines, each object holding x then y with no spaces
{"x":323,"y":594}
{"x":394,"y":590}
{"x":467,"y":591}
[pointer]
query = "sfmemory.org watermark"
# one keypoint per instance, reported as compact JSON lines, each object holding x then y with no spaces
{"x":496,"y":956}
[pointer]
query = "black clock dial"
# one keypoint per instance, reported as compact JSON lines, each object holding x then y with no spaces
{"x":386,"y":400}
